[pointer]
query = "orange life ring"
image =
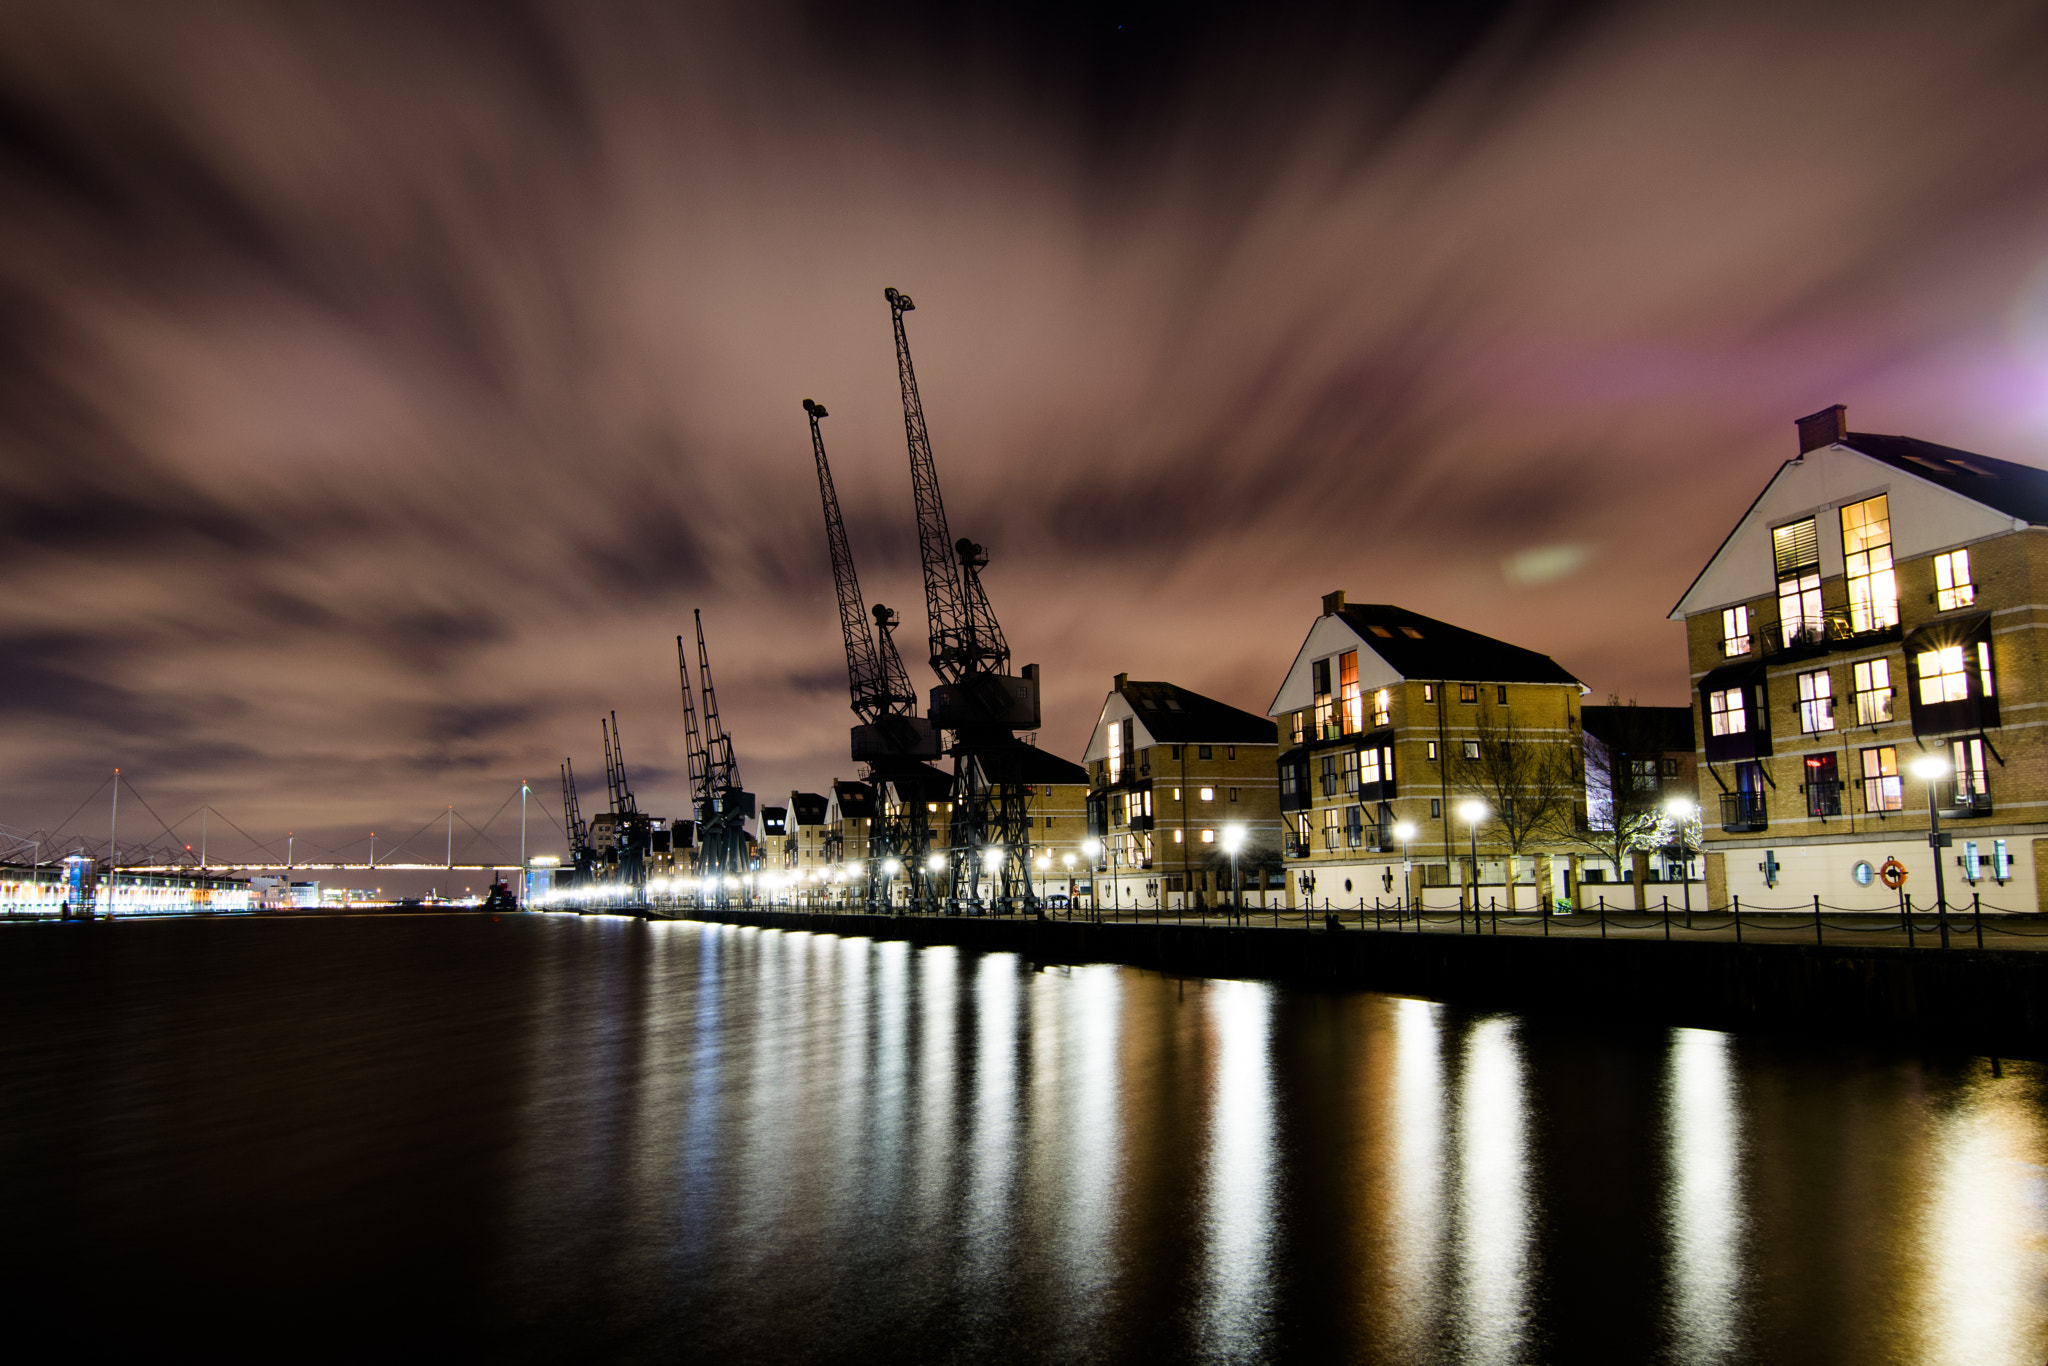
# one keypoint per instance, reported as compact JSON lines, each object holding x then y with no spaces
{"x":1894,"y":874}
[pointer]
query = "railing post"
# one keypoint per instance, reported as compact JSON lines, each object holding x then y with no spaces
{"x":1977,"y":916}
{"x":1493,"y":912}
{"x":1738,"y":917}
{"x":1667,"y":917}
{"x":1603,"y":915}
{"x":1906,"y":914}
{"x":1816,"y":920}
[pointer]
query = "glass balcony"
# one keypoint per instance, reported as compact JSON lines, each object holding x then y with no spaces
{"x":1742,"y":812}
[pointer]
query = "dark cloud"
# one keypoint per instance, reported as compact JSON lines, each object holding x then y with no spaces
{"x":382,"y":385}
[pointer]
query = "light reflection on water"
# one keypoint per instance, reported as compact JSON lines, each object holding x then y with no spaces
{"x":609,"y":1140}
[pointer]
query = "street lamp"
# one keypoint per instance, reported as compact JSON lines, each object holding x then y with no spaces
{"x":1404,"y":832}
{"x":1930,"y":769}
{"x":1472,"y":812}
{"x":1233,"y":840}
{"x":1681,"y":810}
{"x":1094,"y":848}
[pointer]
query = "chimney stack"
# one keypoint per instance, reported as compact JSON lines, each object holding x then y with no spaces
{"x":1332,"y":601}
{"x":1121,"y":680}
{"x":1823,"y":428}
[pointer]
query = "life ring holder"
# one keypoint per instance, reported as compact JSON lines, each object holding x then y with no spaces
{"x":1894,"y":874}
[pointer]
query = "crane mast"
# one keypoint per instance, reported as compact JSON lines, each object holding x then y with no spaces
{"x":722,"y":819}
{"x":573,"y":828}
{"x":864,"y":676}
{"x":977,"y":699}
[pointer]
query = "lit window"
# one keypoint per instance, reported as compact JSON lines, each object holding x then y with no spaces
{"x":1881,"y":788}
{"x":1208,"y":794}
{"x":1208,"y":837}
{"x":1796,"y":550}
{"x":1429,"y":692}
{"x":1300,"y":720}
{"x":1867,"y":555}
{"x":1952,"y":586}
{"x":1326,"y":707}
{"x":2001,"y":860}
{"x":1471,"y":749}
{"x":1468,"y":692}
{"x":1347,"y":683}
{"x":1725,"y":714}
{"x":1873,"y":692}
{"x":1116,"y":751}
{"x":1370,"y":766}
{"x":1432,"y":751}
{"x":1967,"y":757}
{"x":1177,"y":837}
{"x":1944,"y":676}
{"x":1382,"y":706}
{"x":1816,"y":701}
{"x":1735,"y":631}
{"x":1330,"y":827}
{"x":1984,"y":667}
{"x":1176,"y":794}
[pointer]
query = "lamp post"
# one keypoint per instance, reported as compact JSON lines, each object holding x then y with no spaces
{"x":890,"y":868}
{"x":1681,"y":810}
{"x":992,"y":864}
{"x":1404,"y":832}
{"x":1093,"y":848}
{"x":1044,"y":867}
{"x":934,"y":867}
{"x":1931,"y":769}
{"x":1233,"y":840}
{"x":1472,"y":812}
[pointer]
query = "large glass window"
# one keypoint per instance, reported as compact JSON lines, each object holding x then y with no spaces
{"x":1116,"y":750}
{"x":1326,"y":709}
{"x":1347,"y":685}
{"x":1796,"y":549}
{"x":1873,"y":692}
{"x":1735,"y":631}
{"x":1823,"y":786}
{"x":1330,"y":827}
{"x":1816,"y":701}
{"x":1944,"y":675}
{"x":1725,"y":714}
{"x":1370,"y":769}
{"x":1351,"y":771}
{"x":1968,"y":758}
{"x":1867,"y":555}
{"x":1382,"y":706}
{"x":1882,"y":790}
{"x":1952,"y":586}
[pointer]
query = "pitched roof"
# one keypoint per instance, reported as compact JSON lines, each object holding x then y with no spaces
{"x":1036,"y":765}
{"x":1640,"y":729}
{"x":2016,"y":490}
{"x":1178,"y":716}
{"x":1416,"y":646}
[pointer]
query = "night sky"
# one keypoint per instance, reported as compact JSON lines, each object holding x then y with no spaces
{"x":384,"y":384}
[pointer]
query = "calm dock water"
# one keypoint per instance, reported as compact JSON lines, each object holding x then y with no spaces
{"x":550,"y":1137}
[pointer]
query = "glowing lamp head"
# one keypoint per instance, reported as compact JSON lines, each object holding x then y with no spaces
{"x":1233,"y":838}
{"x":1092,"y":847}
{"x":1067,"y":859}
{"x":992,"y":857}
{"x":1929,"y":767}
{"x":1472,"y":812}
{"x":1681,"y":808}
{"x":890,"y":867}
{"x":937,"y":863}
{"x":1404,"y":832}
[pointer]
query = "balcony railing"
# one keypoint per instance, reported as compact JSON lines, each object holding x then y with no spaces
{"x":1823,"y":797}
{"x":1297,"y":847}
{"x":1963,"y":800}
{"x":1811,"y":634}
{"x":1742,"y":812}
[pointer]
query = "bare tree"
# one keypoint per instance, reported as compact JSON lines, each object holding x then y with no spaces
{"x":1527,"y":779}
{"x":1624,"y":816}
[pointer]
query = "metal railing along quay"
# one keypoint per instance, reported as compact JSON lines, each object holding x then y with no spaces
{"x":1922,"y":927}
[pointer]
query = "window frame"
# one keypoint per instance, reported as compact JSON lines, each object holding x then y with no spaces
{"x":1816,"y":701}
{"x":1953,"y":589}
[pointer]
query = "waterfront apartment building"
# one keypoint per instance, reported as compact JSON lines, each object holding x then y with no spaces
{"x":1168,"y":772}
{"x":1639,"y":760}
{"x":804,"y":837}
{"x":1877,"y":604}
{"x":1388,"y":717}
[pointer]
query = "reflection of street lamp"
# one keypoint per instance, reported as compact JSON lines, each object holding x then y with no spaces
{"x":890,"y":868}
{"x":1681,"y":810}
{"x":1472,"y":812}
{"x":1233,"y":840}
{"x":1931,"y":768}
{"x":1405,"y":832}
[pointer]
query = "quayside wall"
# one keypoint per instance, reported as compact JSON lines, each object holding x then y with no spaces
{"x":1976,"y":1000}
